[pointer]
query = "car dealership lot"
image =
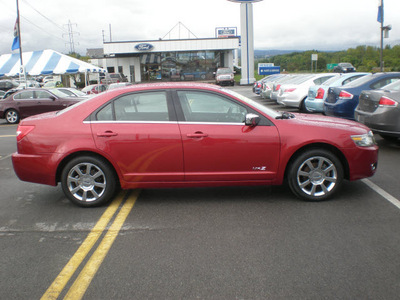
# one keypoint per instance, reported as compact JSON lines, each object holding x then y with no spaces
{"x":207,"y":243}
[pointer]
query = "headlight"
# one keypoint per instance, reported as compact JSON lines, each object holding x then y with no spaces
{"x":364,"y":140}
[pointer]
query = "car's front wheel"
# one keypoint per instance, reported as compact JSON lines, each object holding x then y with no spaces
{"x":12,"y":116}
{"x":88,"y":181}
{"x":315,"y":175}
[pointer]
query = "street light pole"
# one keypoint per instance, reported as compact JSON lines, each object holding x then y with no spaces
{"x":380,"y":18}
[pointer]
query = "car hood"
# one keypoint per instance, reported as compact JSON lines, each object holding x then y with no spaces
{"x":319,"y":121}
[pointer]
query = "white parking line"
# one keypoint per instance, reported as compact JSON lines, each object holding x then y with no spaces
{"x":383,"y":193}
{"x":5,"y":157}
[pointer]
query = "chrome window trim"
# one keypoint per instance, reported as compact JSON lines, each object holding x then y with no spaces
{"x":130,"y":122}
{"x":164,"y":122}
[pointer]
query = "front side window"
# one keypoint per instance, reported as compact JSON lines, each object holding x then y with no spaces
{"x":42,"y":95}
{"x":150,"y":106}
{"x":208,"y":107}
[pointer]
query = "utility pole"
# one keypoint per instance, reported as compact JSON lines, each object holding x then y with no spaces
{"x":71,"y":35}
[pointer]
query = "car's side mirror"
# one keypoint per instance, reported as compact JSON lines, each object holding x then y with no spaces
{"x":52,"y":98}
{"x":252,"y":120}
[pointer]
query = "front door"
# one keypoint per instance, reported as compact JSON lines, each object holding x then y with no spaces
{"x":218,"y":146}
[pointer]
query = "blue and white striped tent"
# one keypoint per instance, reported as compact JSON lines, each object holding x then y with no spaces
{"x":44,"y":62}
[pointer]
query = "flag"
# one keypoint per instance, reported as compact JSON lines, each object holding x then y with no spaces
{"x":380,"y":13}
{"x":15,"y":44}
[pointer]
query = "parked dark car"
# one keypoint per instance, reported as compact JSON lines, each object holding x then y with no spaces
{"x":29,"y":102}
{"x":344,"y":68}
{"x":380,"y":110}
{"x":8,"y":84}
{"x":342,"y":101}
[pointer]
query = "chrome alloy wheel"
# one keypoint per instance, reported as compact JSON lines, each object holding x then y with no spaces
{"x":86,"y":182}
{"x":317,"y":176}
{"x":12,"y":116}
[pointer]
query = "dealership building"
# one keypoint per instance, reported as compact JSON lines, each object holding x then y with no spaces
{"x":167,"y":60}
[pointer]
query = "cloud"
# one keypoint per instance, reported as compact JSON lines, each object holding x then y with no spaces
{"x":284,"y":24}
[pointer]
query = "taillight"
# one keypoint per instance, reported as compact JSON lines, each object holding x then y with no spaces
{"x":23,"y":130}
{"x":385,"y":101}
{"x":345,"y":95}
{"x":290,"y":90}
{"x":320,"y":94}
{"x":277,"y":87}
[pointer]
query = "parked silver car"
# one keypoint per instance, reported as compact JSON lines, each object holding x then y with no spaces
{"x":380,"y":110}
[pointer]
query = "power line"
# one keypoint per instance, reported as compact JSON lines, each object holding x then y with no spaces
{"x":51,"y":21}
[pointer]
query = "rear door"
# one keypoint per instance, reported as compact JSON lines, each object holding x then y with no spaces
{"x":26,"y":103}
{"x":139,"y":132}
{"x":218,"y":146}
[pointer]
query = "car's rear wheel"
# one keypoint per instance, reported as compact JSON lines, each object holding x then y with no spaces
{"x":315,"y":175}
{"x":88,"y":181}
{"x":12,"y":116}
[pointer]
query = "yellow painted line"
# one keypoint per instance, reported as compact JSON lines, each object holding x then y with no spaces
{"x":1,"y":136}
{"x":84,"y":279}
{"x":62,"y":279}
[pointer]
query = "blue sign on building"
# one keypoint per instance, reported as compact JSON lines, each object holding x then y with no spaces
{"x":144,"y":47}
{"x":268,"y":70}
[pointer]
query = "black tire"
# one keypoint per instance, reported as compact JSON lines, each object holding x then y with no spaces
{"x":303,"y":107}
{"x":315,"y":175}
{"x":88,"y":181}
{"x":12,"y":116}
{"x":389,"y":138}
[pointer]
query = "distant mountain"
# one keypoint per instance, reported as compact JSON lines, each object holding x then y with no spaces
{"x":259,"y":53}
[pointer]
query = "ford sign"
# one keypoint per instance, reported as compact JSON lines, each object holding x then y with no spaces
{"x":144,"y":47}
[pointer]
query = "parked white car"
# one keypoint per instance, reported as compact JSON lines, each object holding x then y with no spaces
{"x":290,"y":78}
{"x":294,"y":94}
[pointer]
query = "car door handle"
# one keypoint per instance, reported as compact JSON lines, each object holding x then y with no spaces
{"x":197,"y":134}
{"x":107,"y":134}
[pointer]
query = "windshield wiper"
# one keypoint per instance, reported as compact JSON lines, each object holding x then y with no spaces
{"x":285,"y":115}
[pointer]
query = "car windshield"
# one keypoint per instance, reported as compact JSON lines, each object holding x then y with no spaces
{"x":224,"y":71}
{"x":270,"y":112}
{"x":346,"y":65}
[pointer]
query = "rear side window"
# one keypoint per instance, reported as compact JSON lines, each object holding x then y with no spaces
{"x":136,"y":107}
{"x":383,"y":82}
{"x":26,"y":95}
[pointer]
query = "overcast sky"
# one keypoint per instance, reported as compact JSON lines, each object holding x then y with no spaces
{"x":278,"y":24}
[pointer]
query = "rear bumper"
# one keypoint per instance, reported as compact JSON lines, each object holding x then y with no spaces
{"x":383,"y":120}
{"x":35,"y":168}
{"x":315,"y":105}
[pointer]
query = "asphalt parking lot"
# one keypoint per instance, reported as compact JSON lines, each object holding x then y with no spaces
{"x":201,"y":243}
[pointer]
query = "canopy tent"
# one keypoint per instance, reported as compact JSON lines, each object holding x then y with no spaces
{"x":44,"y":62}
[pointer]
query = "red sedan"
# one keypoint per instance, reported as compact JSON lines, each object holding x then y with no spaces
{"x":188,"y":135}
